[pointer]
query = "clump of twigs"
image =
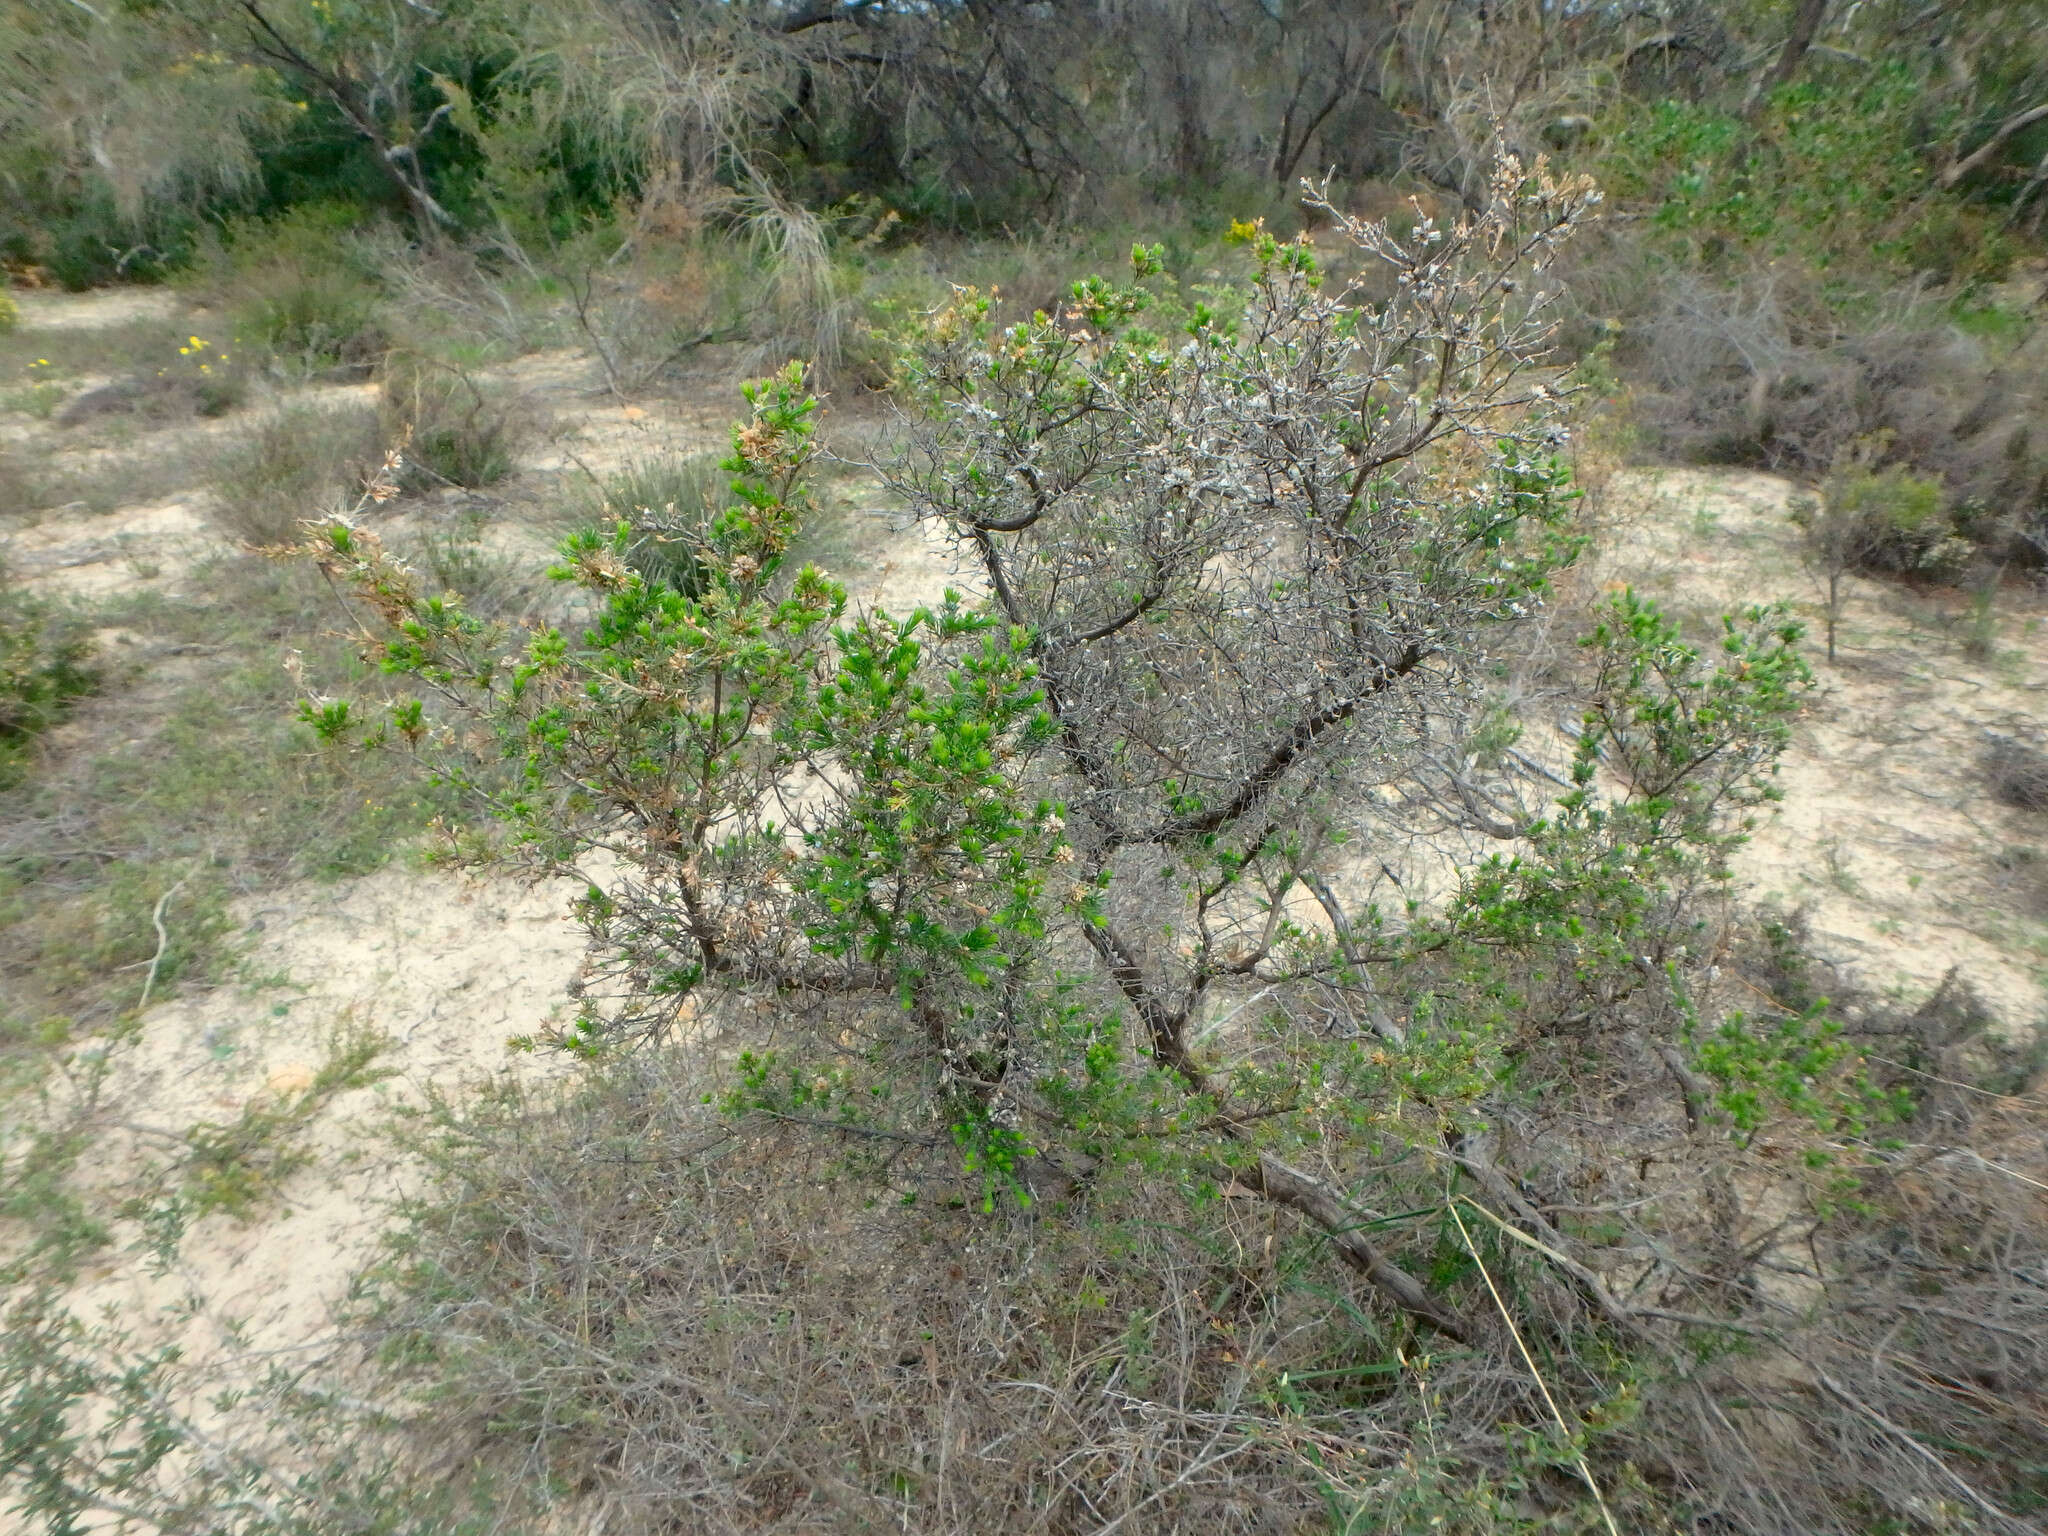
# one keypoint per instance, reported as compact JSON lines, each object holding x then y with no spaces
{"x":2017,"y":773}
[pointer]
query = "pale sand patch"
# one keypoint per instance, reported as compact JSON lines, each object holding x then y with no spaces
{"x":50,"y":310}
{"x":447,"y":969}
{"x":1887,"y":835}
{"x":74,"y":552}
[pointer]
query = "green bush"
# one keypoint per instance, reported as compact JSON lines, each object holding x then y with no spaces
{"x":1901,"y":522}
{"x":292,"y":286}
{"x":1192,"y":645}
{"x":45,"y":663}
{"x":206,"y":377}
{"x":314,"y":321}
{"x":1831,"y":170}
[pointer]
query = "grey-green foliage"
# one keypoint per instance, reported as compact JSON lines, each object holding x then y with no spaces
{"x":97,"y":1428}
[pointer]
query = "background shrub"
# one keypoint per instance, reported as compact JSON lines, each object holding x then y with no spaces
{"x":667,"y":499}
{"x":45,"y":662}
{"x":294,"y":287}
{"x":1901,"y":522}
{"x":457,"y":430}
{"x":301,"y":462}
{"x":2017,"y":772}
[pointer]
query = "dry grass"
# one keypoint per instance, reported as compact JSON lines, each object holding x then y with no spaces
{"x":689,"y":1327}
{"x":2017,"y":773}
{"x":301,"y":462}
{"x":1762,"y":370}
{"x":684,"y":1324}
{"x":186,"y":766}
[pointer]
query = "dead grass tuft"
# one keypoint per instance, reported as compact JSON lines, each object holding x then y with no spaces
{"x":699,"y":1327}
{"x":2017,"y":773}
{"x":299,"y":463}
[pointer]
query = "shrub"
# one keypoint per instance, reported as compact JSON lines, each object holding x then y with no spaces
{"x":455,"y":430}
{"x":667,"y":502}
{"x":293,"y":286}
{"x":172,"y":378}
{"x":1898,"y":521}
{"x":205,"y":377}
{"x":1029,"y":904}
{"x":314,"y":322}
{"x":1884,"y":520}
{"x":641,"y":321}
{"x":45,"y":663}
{"x":1831,"y":171}
{"x":302,"y":462}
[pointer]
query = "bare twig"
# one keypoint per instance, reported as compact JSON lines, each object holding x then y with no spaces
{"x":163,"y":940}
{"x":1906,"y":1439}
{"x":1585,"y":1472}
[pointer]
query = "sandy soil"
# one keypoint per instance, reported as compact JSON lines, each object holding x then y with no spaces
{"x":1888,"y":836}
{"x":442,"y":970}
{"x":52,"y":310}
{"x":84,"y":556}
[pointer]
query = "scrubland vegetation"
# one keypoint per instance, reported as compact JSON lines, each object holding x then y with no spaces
{"x":1235,"y":1019}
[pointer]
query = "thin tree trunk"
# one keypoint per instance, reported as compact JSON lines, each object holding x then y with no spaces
{"x":1964,"y":164}
{"x":1834,"y":608}
{"x":1805,"y":27}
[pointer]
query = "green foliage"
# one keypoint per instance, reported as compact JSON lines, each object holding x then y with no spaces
{"x":37,"y":1192}
{"x":1685,"y":739}
{"x":666,"y":500}
{"x":1893,"y":520}
{"x":934,"y":809}
{"x":93,"y":1426}
{"x":1674,"y":750}
{"x":1797,"y":1065}
{"x":924,"y":833}
{"x":1021,"y":885}
{"x":293,"y":286}
{"x":46,"y":661}
{"x":1832,"y":171}
{"x":212,"y":375}
{"x":41,"y":396}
